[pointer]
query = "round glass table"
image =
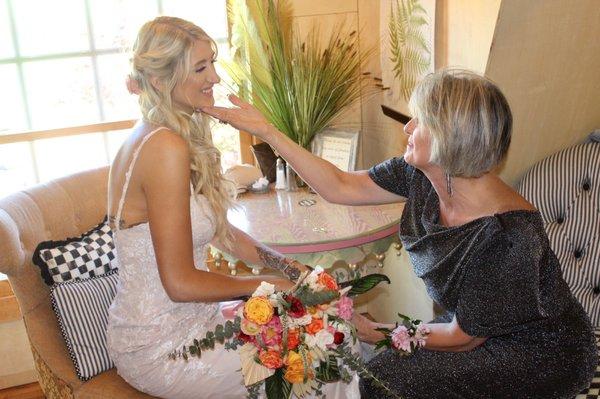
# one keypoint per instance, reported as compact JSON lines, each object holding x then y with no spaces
{"x":302,"y":225}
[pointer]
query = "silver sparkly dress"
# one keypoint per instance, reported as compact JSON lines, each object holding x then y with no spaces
{"x":498,"y":276}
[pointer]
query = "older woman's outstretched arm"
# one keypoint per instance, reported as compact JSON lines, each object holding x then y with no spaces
{"x":333,"y":184}
{"x":448,"y":337}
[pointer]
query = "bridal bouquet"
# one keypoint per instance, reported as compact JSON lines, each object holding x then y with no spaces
{"x":294,"y":341}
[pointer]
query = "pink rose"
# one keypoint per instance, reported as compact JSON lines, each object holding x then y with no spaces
{"x":401,"y":339}
{"x":271,"y":332}
{"x":345,"y":308}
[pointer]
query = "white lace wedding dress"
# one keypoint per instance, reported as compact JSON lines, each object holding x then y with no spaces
{"x":144,"y":325}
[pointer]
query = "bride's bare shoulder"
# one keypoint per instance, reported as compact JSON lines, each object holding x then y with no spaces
{"x":164,"y":150}
{"x":165,"y":146}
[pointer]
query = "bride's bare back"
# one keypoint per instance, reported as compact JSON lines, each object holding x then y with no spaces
{"x":135,"y":209}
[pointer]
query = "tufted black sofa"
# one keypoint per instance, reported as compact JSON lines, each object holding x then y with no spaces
{"x":565,"y":187}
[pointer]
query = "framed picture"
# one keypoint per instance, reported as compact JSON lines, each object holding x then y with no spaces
{"x":338,"y":147}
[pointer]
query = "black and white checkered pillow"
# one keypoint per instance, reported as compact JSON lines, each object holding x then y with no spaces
{"x":81,"y":307}
{"x":87,"y":256}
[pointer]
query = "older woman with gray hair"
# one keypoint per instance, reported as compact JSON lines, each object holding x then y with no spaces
{"x":510,"y":327}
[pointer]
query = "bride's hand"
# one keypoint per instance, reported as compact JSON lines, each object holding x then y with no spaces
{"x":244,"y":117}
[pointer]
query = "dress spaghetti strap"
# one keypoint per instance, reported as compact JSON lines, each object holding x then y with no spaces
{"x":128,"y":175}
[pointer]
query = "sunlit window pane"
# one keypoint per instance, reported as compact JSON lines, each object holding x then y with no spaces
{"x":86,"y":88}
{"x":65,"y":155}
{"x":115,"y":140}
{"x":116,"y":22}
{"x":117,"y":102}
{"x":16,"y":168}
{"x":226,"y":138}
{"x":50,"y":27}
{"x":226,"y":86}
{"x":7,"y":49}
{"x":11,"y":101}
{"x":61,"y":92}
{"x":209,"y":15}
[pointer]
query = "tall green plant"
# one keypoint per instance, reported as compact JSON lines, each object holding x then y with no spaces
{"x":300,"y":86}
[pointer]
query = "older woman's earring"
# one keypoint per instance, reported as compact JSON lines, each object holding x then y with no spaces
{"x":449,"y":184}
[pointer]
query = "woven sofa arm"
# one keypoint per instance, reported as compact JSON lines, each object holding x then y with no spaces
{"x":53,"y":387}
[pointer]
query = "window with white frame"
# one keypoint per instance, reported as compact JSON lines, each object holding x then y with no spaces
{"x":63,"y":63}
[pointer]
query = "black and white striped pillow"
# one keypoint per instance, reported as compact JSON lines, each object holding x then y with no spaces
{"x":81,"y":307}
{"x":83,"y":257}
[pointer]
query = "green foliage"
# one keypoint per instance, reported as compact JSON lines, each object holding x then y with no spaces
{"x":387,"y":341}
{"x":355,"y":363}
{"x":223,"y":335}
{"x":328,"y":371}
{"x":278,"y":387}
{"x":311,"y":298}
{"x":300,"y":86}
{"x":409,"y":48}
{"x":365,"y":283}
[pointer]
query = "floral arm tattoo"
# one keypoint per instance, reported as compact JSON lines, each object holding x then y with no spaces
{"x":275,"y":260}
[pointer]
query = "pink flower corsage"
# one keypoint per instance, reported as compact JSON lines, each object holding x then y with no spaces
{"x":406,"y":338}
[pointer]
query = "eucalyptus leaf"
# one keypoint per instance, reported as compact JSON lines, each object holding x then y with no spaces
{"x":228,"y":331}
{"x":220,"y":333}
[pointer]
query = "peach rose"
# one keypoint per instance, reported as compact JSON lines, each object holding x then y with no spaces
{"x":328,"y":281}
{"x":295,"y":368}
{"x":293,"y":338}
{"x":315,"y":326}
{"x":258,"y":310}
{"x":271,"y":359}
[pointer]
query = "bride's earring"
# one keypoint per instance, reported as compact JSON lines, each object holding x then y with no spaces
{"x":449,"y":184}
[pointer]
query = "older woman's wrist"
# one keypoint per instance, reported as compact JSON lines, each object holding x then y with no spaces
{"x":271,"y":134}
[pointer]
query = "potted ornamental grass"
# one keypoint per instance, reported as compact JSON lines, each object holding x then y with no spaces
{"x":300,"y":84}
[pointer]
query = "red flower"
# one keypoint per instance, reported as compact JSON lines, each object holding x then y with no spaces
{"x":245,"y":337}
{"x":297,"y":309}
{"x":338,"y":337}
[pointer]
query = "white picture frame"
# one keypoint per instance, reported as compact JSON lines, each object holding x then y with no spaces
{"x":338,"y":147}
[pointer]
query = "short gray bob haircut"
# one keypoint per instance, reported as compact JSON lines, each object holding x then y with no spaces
{"x":469,"y":120}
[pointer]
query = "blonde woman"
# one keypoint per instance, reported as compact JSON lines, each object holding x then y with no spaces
{"x":511,"y":327}
{"x":166,"y":201}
